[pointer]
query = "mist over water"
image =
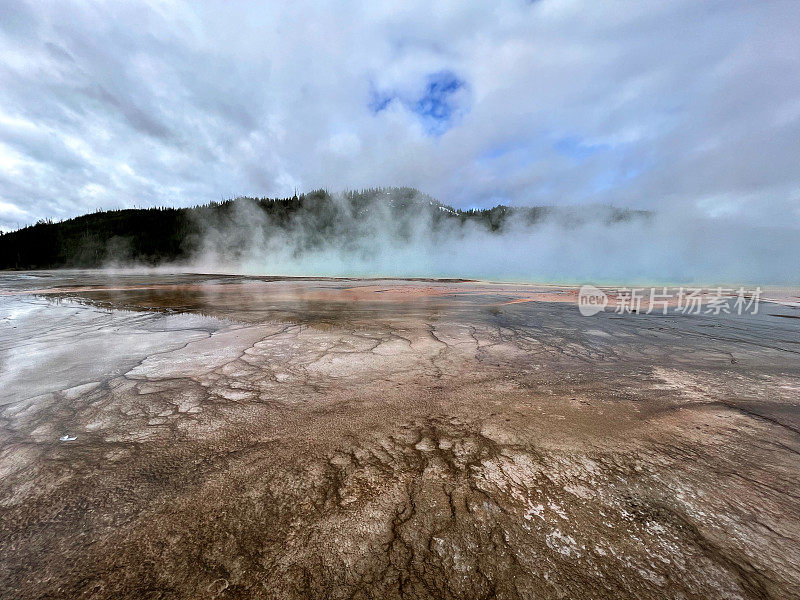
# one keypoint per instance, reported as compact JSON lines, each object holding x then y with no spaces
{"x":567,"y":245}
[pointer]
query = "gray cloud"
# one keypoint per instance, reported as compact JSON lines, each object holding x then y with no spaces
{"x":679,"y":106}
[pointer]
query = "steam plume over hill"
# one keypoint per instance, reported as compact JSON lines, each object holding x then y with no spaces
{"x":403,"y":232}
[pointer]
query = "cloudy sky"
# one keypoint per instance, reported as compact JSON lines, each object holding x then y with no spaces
{"x":679,"y":105}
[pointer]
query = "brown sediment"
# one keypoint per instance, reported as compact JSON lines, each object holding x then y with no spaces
{"x":340,"y":439}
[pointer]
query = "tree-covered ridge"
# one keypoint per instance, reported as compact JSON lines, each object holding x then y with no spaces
{"x":160,"y":235}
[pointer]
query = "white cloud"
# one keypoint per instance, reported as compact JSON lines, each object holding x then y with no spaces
{"x":9,"y":210}
{"x":661,"y":104}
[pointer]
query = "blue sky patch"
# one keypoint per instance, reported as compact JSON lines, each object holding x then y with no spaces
{"x":517,"y":152}
{"x":574,"y":147}
{"x":378,"y":101}
{"x":435,"y":106}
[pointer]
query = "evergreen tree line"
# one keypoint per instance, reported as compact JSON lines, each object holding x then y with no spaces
{"x":151,"y":236}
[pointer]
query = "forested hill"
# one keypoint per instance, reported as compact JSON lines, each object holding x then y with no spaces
{"x":162,"y":235}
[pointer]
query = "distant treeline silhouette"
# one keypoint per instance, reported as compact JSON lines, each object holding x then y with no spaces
{"x":152,"y":236}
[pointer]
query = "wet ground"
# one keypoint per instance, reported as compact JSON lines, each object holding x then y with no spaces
{"x":188,"y":436}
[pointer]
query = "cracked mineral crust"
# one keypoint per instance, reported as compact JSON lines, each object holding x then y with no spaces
{"x":187,"y":436}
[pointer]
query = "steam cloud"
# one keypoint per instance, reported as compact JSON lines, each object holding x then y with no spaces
{"x":566,"y":246}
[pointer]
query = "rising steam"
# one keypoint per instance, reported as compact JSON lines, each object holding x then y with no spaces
{"x":421,"y":238}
